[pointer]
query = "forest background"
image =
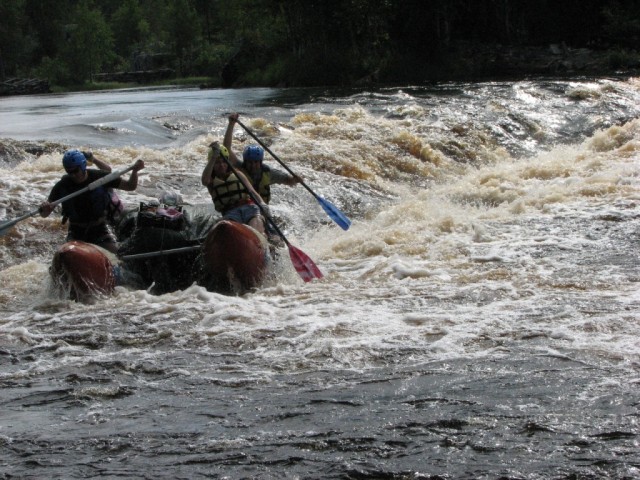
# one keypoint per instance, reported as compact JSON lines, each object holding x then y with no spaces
{"x":77,"y":43}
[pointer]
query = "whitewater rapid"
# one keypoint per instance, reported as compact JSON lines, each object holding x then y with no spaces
{"x":479,"y":318}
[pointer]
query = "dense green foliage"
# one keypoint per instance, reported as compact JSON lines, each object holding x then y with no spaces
{"x":293,"y":42}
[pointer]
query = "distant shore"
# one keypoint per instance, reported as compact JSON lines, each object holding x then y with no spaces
{"x":464,"y":62}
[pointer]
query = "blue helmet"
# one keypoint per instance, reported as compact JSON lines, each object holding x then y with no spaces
{"x":73,"y":159}
{"x":253,"y":152}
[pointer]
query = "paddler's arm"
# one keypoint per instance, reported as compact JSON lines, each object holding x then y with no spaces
{"x":105,"y":167}
{"x":45,"y":209}
{"x":280,"y":177}
{"x":207,"y":172}
{"x":132,"y":183}
{"x":228,"y":139}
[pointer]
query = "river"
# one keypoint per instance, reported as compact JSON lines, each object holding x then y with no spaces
{"x":479,"y":320}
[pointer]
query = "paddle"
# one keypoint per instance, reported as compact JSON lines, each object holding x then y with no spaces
{"x":92,"y":186}
{"x":173,"y":251}
{"x":331,"y":210}
{"x":305,"y":267}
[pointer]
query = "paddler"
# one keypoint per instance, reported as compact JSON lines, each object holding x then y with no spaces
{"x":228,"y":190}
{"x":87,"y":212}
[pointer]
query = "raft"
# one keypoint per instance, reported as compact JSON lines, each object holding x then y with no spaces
{"x":164,"y":254}
{"x":83,"y":270}
{"x":233,"y":258}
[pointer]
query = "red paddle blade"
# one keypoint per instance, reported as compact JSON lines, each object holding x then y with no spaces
{"x":304,"y":265}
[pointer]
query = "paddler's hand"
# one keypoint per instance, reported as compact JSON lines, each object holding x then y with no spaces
{"x":265,"y":209}
{"x":139,"y":165}
{"x":45,"y":209}
{"x":233,"y":118}
{"x":293,"y":179}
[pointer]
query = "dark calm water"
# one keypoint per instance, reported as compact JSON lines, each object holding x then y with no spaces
{"x":480,"y":319}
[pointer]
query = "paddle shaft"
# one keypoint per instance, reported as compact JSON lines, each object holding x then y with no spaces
{"x":138,"y":256}
{"x":92,"y":186}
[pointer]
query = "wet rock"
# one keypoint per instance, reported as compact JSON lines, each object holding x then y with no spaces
{"x":13,"y":152}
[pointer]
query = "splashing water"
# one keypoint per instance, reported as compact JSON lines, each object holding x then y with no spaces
{"x":478,"y":319}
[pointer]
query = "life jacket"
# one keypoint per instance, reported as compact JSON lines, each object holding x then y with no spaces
{"x":227,"y":193}
{"x":263,"y":186}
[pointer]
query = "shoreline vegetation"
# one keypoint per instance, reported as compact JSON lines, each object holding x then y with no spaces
{"x":484,"y":63}
{"x":87,"y":44}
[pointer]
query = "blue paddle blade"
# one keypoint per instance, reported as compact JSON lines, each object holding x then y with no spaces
{"x":335,"y":214}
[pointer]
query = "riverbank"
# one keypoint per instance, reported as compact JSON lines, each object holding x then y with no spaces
{"x":96,"y":86}
{"x":552,"y":60}
{"x":483,"y":62}
{"x":462,"y":62}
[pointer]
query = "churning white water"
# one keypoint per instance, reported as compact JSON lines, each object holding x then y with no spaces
{"x":478,"y":320}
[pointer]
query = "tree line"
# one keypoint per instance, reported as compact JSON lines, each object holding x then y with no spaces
{"x":293,"y":42}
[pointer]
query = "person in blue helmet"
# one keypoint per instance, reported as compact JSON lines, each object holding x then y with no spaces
{"x":87,"y":213}
{"x":115,"y":207}
{"x":261,"y":175}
